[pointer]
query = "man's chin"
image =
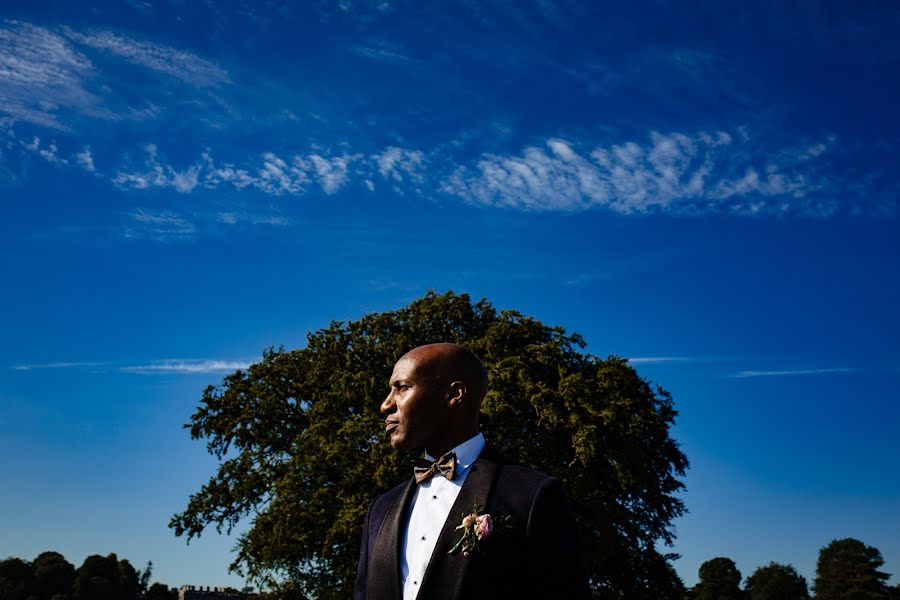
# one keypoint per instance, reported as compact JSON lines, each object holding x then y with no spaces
{"x":395,"y":440}
{"x":400,"y":443}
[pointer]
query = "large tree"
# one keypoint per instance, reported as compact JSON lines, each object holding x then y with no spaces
{"x":16,"y":579}
{"x":54,"y":576}
{"x":106,"y":578}
{"x":848,"y":570}
{"x":301,"y":449}
{"x":719,"y":580}
{"x":776,"y":582}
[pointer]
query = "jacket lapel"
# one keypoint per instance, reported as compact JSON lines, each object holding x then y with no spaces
{"x":445,"y":573}
{"x":384,"y":570}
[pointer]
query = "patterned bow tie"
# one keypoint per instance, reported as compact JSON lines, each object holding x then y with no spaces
{"x":423,"y":468}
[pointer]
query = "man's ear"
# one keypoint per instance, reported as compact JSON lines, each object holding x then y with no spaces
{"x":456,"y":393}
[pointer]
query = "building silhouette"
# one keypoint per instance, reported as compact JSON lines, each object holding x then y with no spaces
{"x":199,"y":592}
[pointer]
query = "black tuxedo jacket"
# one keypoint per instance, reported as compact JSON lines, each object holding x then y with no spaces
{"x":537,"y":556}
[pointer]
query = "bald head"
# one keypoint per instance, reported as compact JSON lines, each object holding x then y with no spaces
{"x":434,"y":399}
{"x":452,"y":362}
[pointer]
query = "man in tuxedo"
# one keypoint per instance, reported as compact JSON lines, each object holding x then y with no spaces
{"x":409,"y":533}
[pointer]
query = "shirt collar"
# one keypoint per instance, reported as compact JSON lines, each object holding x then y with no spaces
{"x":466,"y":453}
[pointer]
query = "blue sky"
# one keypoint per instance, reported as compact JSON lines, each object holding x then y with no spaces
{"x":709,"y":189}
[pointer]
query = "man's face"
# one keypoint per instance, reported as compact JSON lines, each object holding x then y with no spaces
{"x":414,"y":407}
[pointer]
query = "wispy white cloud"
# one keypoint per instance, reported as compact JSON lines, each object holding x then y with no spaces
{"x":228,"y":217}
{"x":791,"y":372}
{"x":49,"y":152}
{"x":382,"y":52}
{"x":86,"y":159}
{"x":646,"y":360}
{"x":234,"y":217}
{"x":159,"y":225}
{"x":176,"y":63}
{"x":399,"y":164}
{"x":155,"y":367}
{"x":672,"y":173}
{"x":158,"y":175}
{"x":47,"y":76}
{"x":185,"y":367}
{"x":51,"y":155}
{"x":55,"y":365}
{"x":273,"y":220}
{"x":331,"y":172}
{"x":42,"y":73}
{"x":272,"y":175}
{"x":141,"y":6}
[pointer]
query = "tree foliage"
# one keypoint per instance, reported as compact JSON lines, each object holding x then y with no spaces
{"x":159,"y":591}
{"x":300,"y":443}
{"x":53,"y":575}
{"x":847,"y":569}
{"x":776,"y":582}
{"x":719,"y":580}
{"x":144,"y":579}
{"x":106,"y":578}
{"x":16,"y":579}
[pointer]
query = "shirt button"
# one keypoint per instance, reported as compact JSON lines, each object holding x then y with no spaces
{"x":434,"y":497}
{"x":415,"y":583}
{"x":423,"y":538}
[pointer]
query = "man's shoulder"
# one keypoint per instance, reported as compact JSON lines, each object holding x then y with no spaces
{"x":516,"y":476}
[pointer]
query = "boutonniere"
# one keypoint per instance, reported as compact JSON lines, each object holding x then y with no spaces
{"x":475,"y":528}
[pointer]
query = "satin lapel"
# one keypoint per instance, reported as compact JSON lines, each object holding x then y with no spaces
{"x":384,"y":568}
{"x":445,"y":573}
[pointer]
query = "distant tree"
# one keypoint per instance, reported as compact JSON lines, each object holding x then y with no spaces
{"x":659,"y":579}
{"x":96,"y":578}
{"x":127,"y":581}
{"x":719,"y":580}
{"x":106,"y":578}
{"x":16,"y":579}
{"x":54,"y":576}
{"x":159,"y":591}
{"x":301,"y":446}
{"x":848,"y":570}
{"x":894,"y":592}
{"x":144,"y":580}
{"x":776,"y":582}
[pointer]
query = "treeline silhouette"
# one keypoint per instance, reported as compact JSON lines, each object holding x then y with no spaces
{"x":847,"y":569}
{"x":51,"y":577}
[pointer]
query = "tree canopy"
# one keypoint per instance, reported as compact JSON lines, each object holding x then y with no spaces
{"x":301,"y":448}
{"x":51,"y":577}
{"x":776,"y":582}
{"x":847,"y":569}
{"x":719,"y":580}
{"x":159,"y":591}
{"x":106,"y":578}
{"x":16,"y":579}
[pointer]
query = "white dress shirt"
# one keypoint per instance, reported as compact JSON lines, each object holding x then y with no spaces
{"x":430,"y":508}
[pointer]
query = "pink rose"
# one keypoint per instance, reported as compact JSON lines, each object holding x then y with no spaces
{"x":484,"y":525}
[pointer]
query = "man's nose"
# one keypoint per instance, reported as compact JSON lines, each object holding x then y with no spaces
{"x":388,"y":405}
